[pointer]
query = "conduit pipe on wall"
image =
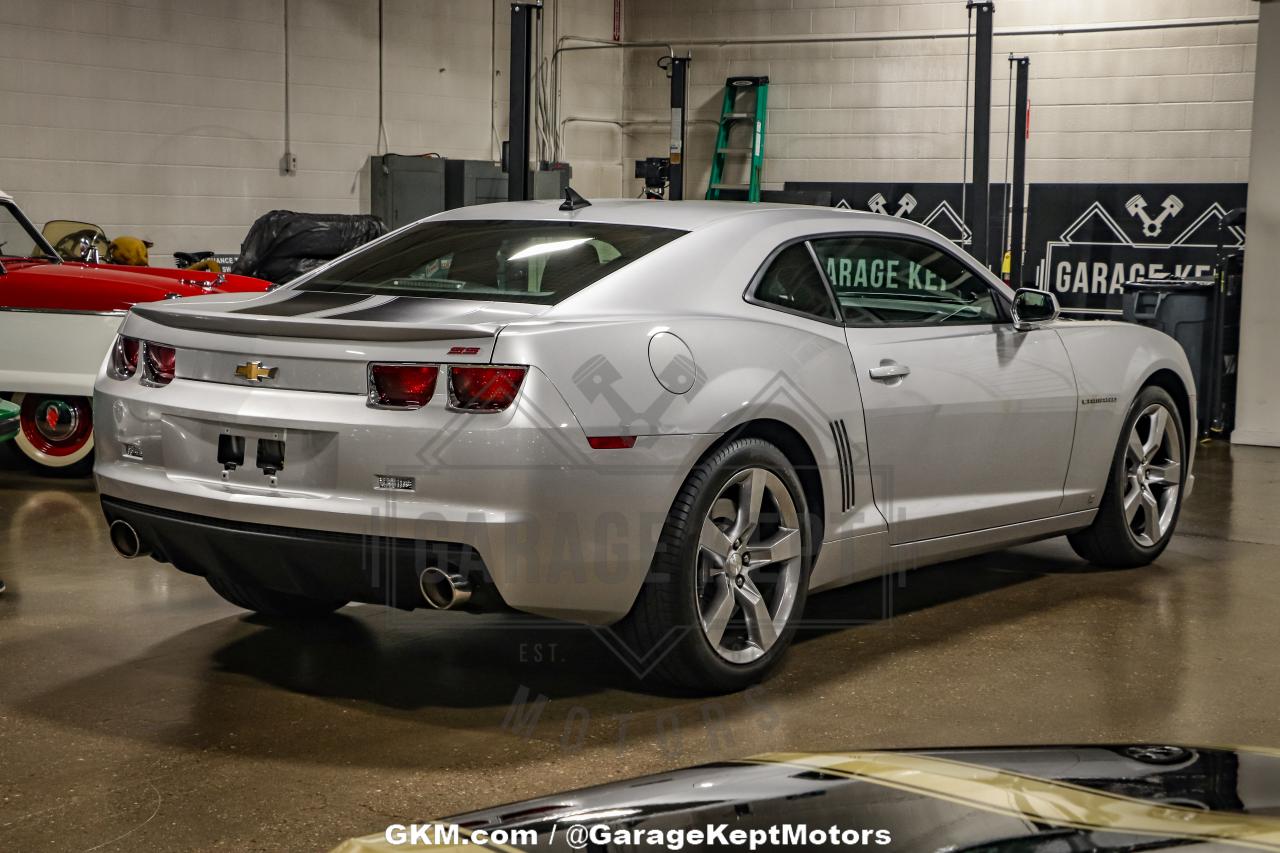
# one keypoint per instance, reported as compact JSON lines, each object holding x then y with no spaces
{"x":593,"y":43}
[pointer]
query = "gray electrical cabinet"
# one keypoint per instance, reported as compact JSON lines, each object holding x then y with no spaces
{"x":404,"y":189}
{"x":469,"y":182}
{"x":551,"y":183}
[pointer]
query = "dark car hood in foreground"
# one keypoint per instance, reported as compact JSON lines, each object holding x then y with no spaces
{"x":1134,"y":797}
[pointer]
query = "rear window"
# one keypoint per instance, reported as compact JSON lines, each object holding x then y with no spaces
{"x":511,"y":261}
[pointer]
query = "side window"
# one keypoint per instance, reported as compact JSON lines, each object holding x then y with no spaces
{"x":886,"y":281}
{"x":793,"y":282}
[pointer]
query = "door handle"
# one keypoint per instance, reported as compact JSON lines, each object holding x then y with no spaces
{"x":889,"y":371}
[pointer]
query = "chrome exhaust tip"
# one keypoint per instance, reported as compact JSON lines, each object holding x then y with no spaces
{"x":442,"y":590}
{"x":126,"y":541}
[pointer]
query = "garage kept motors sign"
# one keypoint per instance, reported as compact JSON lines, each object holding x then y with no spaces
{"x":1084,"y":241}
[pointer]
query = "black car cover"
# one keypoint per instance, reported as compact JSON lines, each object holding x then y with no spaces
{"x":282,"y":245}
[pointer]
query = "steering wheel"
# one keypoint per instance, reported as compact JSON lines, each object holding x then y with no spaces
{"x":77,"y":245}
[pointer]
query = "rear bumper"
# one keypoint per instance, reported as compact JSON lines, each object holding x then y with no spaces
{"x":315,"y":563}
{"x":563,"y":530}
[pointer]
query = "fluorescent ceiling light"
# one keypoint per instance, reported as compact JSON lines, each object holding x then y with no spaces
{"x":548,"y":248}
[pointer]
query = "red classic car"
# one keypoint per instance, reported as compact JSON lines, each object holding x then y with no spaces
{"x":58,"y":319}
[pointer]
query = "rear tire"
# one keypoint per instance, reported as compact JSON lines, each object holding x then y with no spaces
{"x":1143,"y":496}
{"x":270,"y":602}
{"x":725,"y":592}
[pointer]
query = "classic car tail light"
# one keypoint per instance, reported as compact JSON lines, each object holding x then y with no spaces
{"x":484,"y":389}
{"x":124,"y":357}
{"x":158,"y":363}
{"x":401,"y":386}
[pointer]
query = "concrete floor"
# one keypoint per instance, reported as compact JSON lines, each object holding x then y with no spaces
{"x":140,"y":712}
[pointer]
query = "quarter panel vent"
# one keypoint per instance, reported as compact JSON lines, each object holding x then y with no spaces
{"x":845,"y":456}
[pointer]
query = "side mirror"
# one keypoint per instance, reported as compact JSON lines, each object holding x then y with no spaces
{"x":1032,"y":306}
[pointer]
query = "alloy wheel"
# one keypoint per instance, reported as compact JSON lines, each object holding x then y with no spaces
{"x":749,"y":565}
{"x":1153,"y":475}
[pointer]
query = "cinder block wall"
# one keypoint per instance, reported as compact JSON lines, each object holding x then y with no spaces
{"x":1155,"y":105}
{"x":165,"y":118}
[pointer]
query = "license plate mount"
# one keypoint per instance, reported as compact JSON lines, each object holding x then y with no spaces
{"x":270,"y":456}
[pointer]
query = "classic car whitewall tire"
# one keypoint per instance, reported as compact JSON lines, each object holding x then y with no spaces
{"x":55,"y":431}
{"x":727,"y":586}
{"x":1139,"y":508}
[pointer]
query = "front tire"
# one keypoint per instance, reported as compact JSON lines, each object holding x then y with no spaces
{"x":730,"y":574}
{"x":55,"y":433}
{"x":269,"y":602}
{"x":1143,"y":497}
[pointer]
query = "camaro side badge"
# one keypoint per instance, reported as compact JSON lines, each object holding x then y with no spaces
{"x":1093,"y":401}
{"x":255,"y":372}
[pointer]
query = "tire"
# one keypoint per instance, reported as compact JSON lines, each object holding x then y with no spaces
{"x":1118,"y":539}
{"x":269,"y":602}
{"x":675,"y":605}
{"x":55,"y":432}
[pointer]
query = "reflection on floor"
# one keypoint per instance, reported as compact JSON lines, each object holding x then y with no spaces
{"x":138,"y":711}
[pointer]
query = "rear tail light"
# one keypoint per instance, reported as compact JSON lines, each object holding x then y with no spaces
{"x":124,"y":357}
{"x":484,"y":389}
{"x":158,"y":363}
{"x":401,"y":386}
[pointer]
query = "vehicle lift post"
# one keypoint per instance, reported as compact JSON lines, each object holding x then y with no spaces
{"x":679,"y":71}
{"x":980,"y":188}
{"x":523,"y":13}
{"x":1022,"y":68}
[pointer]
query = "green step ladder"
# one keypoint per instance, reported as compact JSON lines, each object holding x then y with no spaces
{"x":732,"y":114}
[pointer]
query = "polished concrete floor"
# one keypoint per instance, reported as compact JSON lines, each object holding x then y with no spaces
{"x":140,"y":712}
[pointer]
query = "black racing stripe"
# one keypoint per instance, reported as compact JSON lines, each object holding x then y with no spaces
{"x":304,"y":302}
{"x":402,"y":309}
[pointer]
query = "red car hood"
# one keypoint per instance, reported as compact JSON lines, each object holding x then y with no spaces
{"x":103,"y":287}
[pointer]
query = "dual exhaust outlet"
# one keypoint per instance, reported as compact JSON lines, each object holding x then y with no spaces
{"x":126,"y":540}
{"x":441,"y":590}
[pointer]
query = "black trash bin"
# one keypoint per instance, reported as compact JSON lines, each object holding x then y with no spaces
{"x":1183,"y":309}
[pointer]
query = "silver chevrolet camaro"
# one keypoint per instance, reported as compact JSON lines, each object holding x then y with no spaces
{"x":677,"y":418}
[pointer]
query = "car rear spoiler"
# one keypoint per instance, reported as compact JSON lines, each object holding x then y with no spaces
{"x":288,"y":327}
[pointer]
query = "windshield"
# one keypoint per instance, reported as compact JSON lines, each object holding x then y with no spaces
{"x":74,"y":240}
{"x":518,"y":261}
{"x":18,"y":238}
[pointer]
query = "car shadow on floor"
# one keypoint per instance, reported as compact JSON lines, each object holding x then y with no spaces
{"x":909,"y":591}
{"x":371,"y":680}
{"x":414,"y":660}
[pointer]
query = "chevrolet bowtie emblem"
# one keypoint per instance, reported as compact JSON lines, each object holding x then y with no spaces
{"x":255,"y":372}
